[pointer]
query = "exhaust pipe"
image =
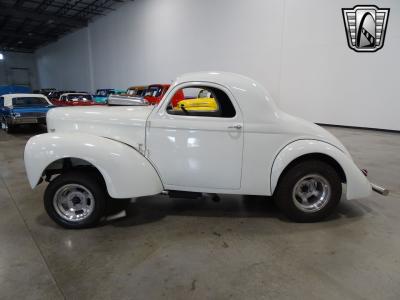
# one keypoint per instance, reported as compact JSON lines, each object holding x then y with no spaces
{"x":380,"y":190}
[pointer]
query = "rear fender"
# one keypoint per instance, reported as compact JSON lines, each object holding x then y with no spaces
{"x":357,"y":184}
{"x":126,"y":172}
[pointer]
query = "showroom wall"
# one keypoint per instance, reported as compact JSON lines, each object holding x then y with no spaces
{"x":18,"y":68}
{"x":65,"y":65}
{"x":297,"y":49}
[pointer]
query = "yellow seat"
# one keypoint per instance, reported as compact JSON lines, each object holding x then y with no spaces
{"x":197,"y":104}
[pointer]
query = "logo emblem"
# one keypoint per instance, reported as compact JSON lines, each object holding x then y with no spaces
{"x":365,"y":27}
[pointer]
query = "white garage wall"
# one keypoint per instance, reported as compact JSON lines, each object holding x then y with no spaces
{"x":65,"y":65}
{"x":14,"y":60}
{"x":297,"y":49}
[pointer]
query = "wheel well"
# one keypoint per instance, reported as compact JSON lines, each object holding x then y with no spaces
{"x":68,"y":164}
{"x":321,"y":157}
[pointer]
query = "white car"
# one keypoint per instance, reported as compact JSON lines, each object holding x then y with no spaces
{"x":246,"y":146}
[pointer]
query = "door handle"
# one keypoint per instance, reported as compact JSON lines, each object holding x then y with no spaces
{"x":236,"y":126}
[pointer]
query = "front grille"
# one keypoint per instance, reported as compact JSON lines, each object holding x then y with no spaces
{"x":33,"y":115}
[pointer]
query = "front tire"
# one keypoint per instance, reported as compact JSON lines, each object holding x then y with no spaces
{"x":309,"y":191}
{"x":76,"y":199}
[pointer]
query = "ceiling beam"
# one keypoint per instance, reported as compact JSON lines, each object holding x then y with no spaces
{"x":26,"y":13}
{"x":26,"y":37}
{"x":16,"y":49}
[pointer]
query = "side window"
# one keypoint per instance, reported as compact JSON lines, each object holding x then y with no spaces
{"x":1,"y":101}
{"x":63,"y":98}
{"x":201,"y":101}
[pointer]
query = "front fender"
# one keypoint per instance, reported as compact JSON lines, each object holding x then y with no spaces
{"x":357,"y":184}
{"x":126,"y":172}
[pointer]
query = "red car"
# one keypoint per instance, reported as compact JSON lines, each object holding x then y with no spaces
{"x":74,"y":99}
{"x":155,"y":92}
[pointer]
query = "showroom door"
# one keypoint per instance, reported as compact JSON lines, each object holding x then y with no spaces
{"x":197,"y":149}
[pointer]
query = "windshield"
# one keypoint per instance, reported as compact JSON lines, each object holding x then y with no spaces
{"x":154,"y":91}
{"x":79,"y":97}
{"x":136,"y":92}
{"x":104,"y":93}
{"x":29,"y":101}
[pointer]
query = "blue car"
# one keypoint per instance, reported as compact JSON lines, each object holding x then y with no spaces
{"x":18,"y":109}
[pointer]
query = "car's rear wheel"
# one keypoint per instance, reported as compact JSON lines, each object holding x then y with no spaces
{"x":76,"y":199}
{"x":309,"y":191}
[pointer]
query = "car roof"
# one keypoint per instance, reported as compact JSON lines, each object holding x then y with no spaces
{"x":66,"y":94}
{"x":160,"y":84}
{"x":8,"y":98}
{"x":22,"y":95}
{"x":139,"y":87}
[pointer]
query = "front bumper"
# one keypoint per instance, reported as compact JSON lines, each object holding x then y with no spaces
{"x":27,"y":120}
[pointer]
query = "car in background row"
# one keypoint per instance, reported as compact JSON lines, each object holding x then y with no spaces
{"x":155,"y":92}
{"x":102,"y":95}
{"x":53,"y":96}
{"x":18,"y":109}
{"x":74,"y":99}
{"x":45,"y":92}
{"x":135,"y":91}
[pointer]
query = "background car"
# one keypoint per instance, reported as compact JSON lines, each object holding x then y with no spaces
{"x":75,"y":99}
{"x":136,"y":91}
{"x":18,"y":109}
{"x":102,"y":95}
{"x":55,"y":96}
{"x":155,"y":92}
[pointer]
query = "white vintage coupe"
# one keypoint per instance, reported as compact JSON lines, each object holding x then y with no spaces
{"x":245,"y":145}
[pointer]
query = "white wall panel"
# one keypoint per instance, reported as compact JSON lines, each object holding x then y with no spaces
{"x":66,"y":64}
{"x":324,"y":81}
{"x":297,"y":49}
{"x":13,"y":60}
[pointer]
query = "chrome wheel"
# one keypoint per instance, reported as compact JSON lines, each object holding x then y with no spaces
{"x":73,"y":202}
{"x":311,"y":193}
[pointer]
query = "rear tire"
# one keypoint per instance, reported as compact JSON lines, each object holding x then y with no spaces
{"x":76,"y":199}
{"x":309,"y":191}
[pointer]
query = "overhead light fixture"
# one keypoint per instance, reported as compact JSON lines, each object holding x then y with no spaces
{"x":1,"y":56}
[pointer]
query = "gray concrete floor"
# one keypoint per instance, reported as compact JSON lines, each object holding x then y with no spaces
{"x":239,"y":248}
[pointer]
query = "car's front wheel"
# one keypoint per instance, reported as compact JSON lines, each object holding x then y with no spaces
{"x":76,"y":199}
{"x":309,"y":191}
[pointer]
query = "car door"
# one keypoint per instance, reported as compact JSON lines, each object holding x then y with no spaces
{"x":196,"y":151}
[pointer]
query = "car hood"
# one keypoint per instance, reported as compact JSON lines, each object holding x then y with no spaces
{"x":125,"y":124}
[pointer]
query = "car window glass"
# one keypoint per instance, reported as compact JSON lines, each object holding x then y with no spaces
{"x":1,"y":101}
{"x":79,"y":97}
{"x":201,"y":101}
{"x":153,"y":91}
{"x":28,"y":101}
